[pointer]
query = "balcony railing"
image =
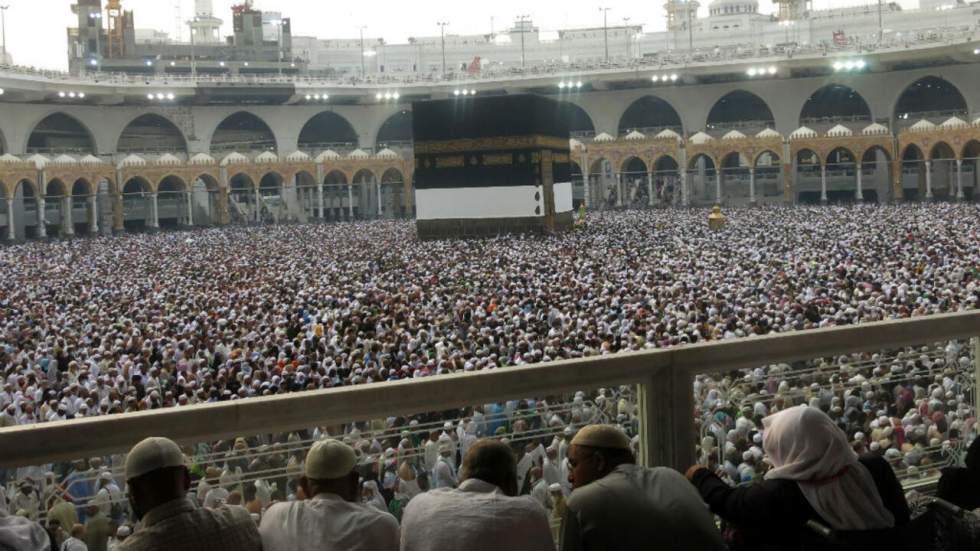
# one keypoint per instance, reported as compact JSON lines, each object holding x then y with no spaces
{"x":665,"y":378}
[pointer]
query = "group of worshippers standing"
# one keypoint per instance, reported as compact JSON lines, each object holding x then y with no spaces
{"x":615,"y":504}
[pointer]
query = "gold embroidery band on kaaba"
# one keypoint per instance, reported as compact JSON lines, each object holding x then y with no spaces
{"x":469,"y":145}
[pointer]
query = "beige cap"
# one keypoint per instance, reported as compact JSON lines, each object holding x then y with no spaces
{"x":602,"y":436}
{"x":329,"y":459}
{"x":151,"y":454}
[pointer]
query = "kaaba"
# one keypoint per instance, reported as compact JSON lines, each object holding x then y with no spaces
{"x":491,"y":165}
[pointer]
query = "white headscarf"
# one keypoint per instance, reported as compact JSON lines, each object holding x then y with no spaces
{"x":806,"y":447}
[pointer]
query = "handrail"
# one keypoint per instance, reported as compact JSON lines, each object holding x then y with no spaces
{"x":666,"y":376}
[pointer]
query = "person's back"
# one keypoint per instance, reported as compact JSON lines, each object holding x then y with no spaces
{"x":158,"y":481}
{"x":332,"y":519}
{"x":483,"y":513}
{"x":635,"y":507}
{"x":179,"y":524}
{"x":98,"y":530}
{"x":327,"y":522}
{"x":961,"y":485}
{"x":474,"y":517}
{"x":22,"y":534}
{"x":618,"y":505}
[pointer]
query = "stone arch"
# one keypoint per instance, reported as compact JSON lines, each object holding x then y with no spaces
{"x":60,"y":132}
{"x":666,"y":180}
{"x":971,"y":169}
{"x":396,"y":130}
{"x":137,"y":184}
{"x":171,"y":183}
{"x":971,"y":150}
{"x":393,"y":193}
{"x":242,"y":131}
{"x":634,"y":165}
{"x":692,"y":164}
{"x":55,"y":188}
{"x":151,"y":132}
{"x":942,"y":151}
{"x":808,"y":157}
{"x":650,"y":113}
{"x":82,"y":188}
{"x":326,"y":130}
{"x":773,"y":157}
{"x":929,"y":94}
{"x":29,"y":187}
{"x":335,"y":177}
{"x":3,"y":143}
{"x":336,"y":195}
{"x":239,"y":180}
{"x":740,"y":108}
{"x":210,"y":182}
{"x":665,"y":163}
{"x":271,"y":183}
{"x":834,"y":102}
{"x":840,"y":156}
{"x":912,"y":152}
{"x":579,"y":121}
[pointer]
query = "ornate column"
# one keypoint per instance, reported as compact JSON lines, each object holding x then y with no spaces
{"x":717,"y":185}
{"x":93,"y":209}
{"x":154,"y":213}
{"x":11,"y":235}
{"x":859,"y":192}
{"x":319,"y":201}
{"x":685,"y":193}
{"x":67,"y":225}
{"x":117,"y":213}
{"x":651,"y":198}
{"x":585,"y":181}
{"x":377,"y":188}
{"x":350,"y":201}
{"x":42,"y":229}
{"x":752,"y":185}
{"x":258,"y":205}
{"x":928,"y":179}
{"x":823,"y":183}
{"x":190,"y":208}
{"x":959,"y":180}
{"x":619,"y":189}
{"x":224,"y":217}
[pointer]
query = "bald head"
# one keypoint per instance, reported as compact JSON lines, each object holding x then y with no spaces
{"x":492,"y":462}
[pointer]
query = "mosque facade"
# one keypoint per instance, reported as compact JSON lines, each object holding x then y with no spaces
{"x":112,"y":157}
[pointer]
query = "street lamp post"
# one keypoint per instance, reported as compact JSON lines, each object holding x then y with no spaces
{"x":521,"y":19}
{"x":3,"y":29}
{"x":626,"y":29}
{"x":442,"y":37}
{"x":605,"y":30}
{"x":363,"y":73}
{"x":97,"y":17}
{"x":193,"y":32}
{"x":279,"y":44}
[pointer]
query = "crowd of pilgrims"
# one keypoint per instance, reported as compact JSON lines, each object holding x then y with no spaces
{"x":137,"y":322}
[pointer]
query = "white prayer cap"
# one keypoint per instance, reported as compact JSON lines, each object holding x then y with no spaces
{"x":602,"y":436}
{"x":123,"y":531}
{"x":329,"y":459}
{"x":151,"y":454}
{"x":554,"y":487}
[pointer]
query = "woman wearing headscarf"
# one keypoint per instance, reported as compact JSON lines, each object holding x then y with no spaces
{"x":961,"y":485}
{"x":815,"y":475}
{"x":371,"y":495}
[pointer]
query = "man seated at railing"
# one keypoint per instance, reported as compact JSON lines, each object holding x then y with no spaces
{"x":158,"y":481}
{"x":484,"y":513}
{"x":332,"y":517}
{"x":617,"y":504}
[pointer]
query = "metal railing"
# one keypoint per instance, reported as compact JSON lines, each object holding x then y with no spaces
{"x":665,"y":378}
